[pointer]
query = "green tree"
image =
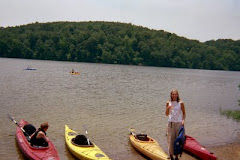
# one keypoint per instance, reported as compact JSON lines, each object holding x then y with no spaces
{"x":110,"y":42}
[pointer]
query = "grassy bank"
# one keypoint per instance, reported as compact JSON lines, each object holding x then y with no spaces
{"x":235,"y":114}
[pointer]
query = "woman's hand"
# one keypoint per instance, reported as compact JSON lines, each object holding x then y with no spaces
{"x":183,"y":122}
{"x":168,"y":107}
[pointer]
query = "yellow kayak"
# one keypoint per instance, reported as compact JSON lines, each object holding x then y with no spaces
{"x":74,"y":73}
{"x":84,"y":150}
{"x":147,"y":145}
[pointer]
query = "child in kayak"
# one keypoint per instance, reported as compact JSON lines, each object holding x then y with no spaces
{"x":39,"y":137}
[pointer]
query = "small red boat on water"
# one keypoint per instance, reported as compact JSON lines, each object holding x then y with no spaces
{"x":195,"y":148}
{"x":32,"y":152}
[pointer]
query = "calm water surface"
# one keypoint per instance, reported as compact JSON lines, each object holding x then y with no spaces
{"x":109,"y":99}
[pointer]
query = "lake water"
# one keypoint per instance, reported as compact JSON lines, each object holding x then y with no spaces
{"x":109,"y":99}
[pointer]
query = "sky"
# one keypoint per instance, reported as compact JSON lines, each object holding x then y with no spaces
{"x":201,"y":20}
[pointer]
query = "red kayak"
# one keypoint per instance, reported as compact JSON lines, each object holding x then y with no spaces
{"x":193,"y":147}
{"x":32,"y":152}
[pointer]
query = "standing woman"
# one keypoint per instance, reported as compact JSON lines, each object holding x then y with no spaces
{"x":175,"y":111}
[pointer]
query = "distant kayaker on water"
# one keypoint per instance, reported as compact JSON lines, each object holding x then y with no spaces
{"x":39,"y":137}
{"x":175,"y":111}
{"x":73,"y":71}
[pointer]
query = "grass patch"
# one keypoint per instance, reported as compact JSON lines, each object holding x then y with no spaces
{"x":235,"y":114}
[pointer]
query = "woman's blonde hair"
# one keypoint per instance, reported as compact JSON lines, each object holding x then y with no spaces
{"x":44,"y":125}
{"x":178,"y":98}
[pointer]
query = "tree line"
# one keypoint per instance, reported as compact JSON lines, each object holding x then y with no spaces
{"x":116,"y":43}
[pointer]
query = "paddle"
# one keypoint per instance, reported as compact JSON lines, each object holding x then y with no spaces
{"x":12,"y":118}
{"x":87,"y":134}
{"x":131,"y":131}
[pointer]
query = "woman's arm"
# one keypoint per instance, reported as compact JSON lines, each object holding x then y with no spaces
{"x":167,"y":108}
{"x":184,"y":113}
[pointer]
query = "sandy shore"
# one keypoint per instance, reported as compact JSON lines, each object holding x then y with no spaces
{"x":223,"y":152}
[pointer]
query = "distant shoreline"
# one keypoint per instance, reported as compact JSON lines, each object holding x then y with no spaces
{"x":116,"y":43}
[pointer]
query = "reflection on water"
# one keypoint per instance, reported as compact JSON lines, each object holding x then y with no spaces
{"x":109,"y":99}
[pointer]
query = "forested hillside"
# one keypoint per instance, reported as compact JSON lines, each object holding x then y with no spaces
{"x":117,"y":43}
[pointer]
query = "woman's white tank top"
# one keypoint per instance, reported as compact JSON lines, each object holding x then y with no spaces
{"x":175,"y":114}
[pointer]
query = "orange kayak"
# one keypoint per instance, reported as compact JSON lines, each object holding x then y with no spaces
{"x":74,"y":73}
{"x":147,"y":146}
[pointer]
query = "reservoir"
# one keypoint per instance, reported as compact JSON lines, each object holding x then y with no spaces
{"x":109,"y":99}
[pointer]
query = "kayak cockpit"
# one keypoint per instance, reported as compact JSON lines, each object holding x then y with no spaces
{"x":81,"y":141}
{"x":143,"y":137}
{"x":140,"y":136}
{"x":29,"y":129}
